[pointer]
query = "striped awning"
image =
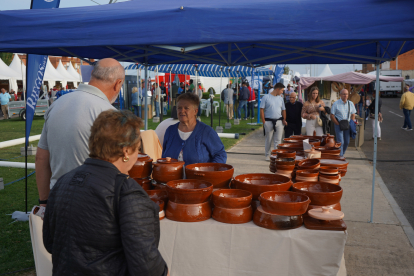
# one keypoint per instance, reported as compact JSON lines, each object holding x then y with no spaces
{"x":206,"y":70}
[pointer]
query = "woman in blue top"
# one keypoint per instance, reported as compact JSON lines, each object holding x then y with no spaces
{"x":190,"y":140}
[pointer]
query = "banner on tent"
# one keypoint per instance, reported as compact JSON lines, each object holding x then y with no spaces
{"x":279,"y":70}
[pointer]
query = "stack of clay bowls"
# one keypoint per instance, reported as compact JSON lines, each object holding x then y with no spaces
{"x":280,"y":153}
{"x":325,"y":218}
{"x":141,"y":171}
{"x":342,"y":165}
{"x":297,"y":147}
{"x":320,"y":194}
{"x":296,"y":140}
{"x":309,"y":164}
{"x":167,"y":169}
{"x":217,"y":174}
{"x":232,"y":206}
{"x":307,"y":175}
{"x":281,"y":210}
{"x":258,"y":183}
{"x":285,"y":166}
{"x":328,"y":152}
{"x":189,"y":200}
{"x":329,"y":175}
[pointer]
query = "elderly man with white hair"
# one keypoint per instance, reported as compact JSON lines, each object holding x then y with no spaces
{"x":293,"y":116}
{"x":342,"y":112}
{"x":63,"y":145}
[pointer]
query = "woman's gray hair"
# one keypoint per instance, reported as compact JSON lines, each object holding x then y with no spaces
{"x":108,"y":74}
{"x":134,"y":90}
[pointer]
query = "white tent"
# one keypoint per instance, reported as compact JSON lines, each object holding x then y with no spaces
{"x":52,"y":75}
{"x":6,"y":73}
{"x":68,"y":77}
{"x":73,"y":72}
{"x":18,"y":66}
{"x":326,"y":72}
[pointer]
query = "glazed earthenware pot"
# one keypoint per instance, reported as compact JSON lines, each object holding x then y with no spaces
{"x":145,"y":183}
{"x":330,"y":141}
{"x":216,"y":173}
{"x":284,"y":203}
{"x":233,"y":215}
{"x":142,"y":168}
{"x":156,"y":195}
{"x":276,"y":222}
{"x":328,"y":170}
{"x":291,"y":146}
{"x":188,"y":212}
{"x":330,"y":178}
{"x":257,"y":183}
{"x":189,"y":191}
{"x":167,"y":169}
{"x":285,"y":167}
{"x":285,"y":161}
{"x":284,"y":153}
{"x":231,"y":198}
{"x":158,"y":186}
{"x":309,"y":164}
{"x":320,"y":193}
{"x":307,"y":175}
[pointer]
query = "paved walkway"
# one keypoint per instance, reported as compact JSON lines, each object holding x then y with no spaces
{"x":379,"y":248}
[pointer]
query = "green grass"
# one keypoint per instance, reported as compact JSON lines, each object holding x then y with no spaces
{"x":15,"y":245}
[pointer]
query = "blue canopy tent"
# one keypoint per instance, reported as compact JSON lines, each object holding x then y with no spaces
{"x":226,"y":33}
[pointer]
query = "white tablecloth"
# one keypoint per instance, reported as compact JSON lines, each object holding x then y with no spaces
{"x":214,"y":248}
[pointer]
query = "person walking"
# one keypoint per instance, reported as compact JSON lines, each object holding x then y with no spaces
{"x":157,"y":100}
{"x":134,"y":102}
{"x":293,"y":116}
{"x":228,"y":101}
{"x":64,"y":146}
{"x":288,"y":90}
{"x":310,"y":112}
{"x":360,"y":104}
{"x":4,"y":100}
{"x":273,"y":115}
{"x":371,"y":109}
{"x":407,"y":104}
{"x":243,"y":98}
{"x":251,"y":101}
{"x":342,"y":112}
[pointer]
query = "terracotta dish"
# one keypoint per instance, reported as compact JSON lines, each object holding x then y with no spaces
{"x":328,"y":170}
{"x":330,"y":178}
{"x":281,"y":153}
{"x":216,"y":173}
{"x":233,"y":215}
{"x":189,"y":191}
{"x":142,"y":168}
{"x":285,"y":161}
{"x":326,"y":213}
{"x":316,"y":224}
{"x":319,"y":193}
{"x":309,"y":164}
{"x":167,"y":169}
{"x":257,"y":183}
{"x":145,"y":183}
{"x":307,"y":175}
{"x":284,"y":203}
{"x":232,"y":198}
{"x":188,"y":212}
{"x":156,"y":195}
{"x":276,"y":222}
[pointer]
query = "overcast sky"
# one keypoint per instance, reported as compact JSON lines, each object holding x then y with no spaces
{"x":302,"y":69}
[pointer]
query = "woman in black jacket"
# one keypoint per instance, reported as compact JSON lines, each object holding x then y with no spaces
{"x":98,"y":221}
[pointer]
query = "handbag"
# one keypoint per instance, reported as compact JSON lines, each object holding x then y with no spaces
{"x":318,"y":119}
{"x":344,"y":124}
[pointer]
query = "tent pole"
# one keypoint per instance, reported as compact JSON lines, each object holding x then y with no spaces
{"x":170,"y":91}
{"x":258,"y":101}
{"x":146,"y":97}
{"x":221,"y":78}
{"x":377,"y":84}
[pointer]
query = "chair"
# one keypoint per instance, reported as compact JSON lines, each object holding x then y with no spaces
{"x":204,"y":107}
{"x":216,"y":106}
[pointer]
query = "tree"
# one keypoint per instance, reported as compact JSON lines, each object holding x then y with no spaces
{"x":287,"y":69}
{"x":7,"y":58}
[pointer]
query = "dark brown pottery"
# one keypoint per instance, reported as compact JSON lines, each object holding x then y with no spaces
{"x":330,"y":178}
{"x":257,"y":183}
{"x":255,"y":204}
{"x":281,"y":153}
{"x":328,"y":170}
{"x":307,"y":175}
{"x":188,"y":212}
{"x":320,"y":193}
{"x":284,"y":203}
{"x":232,"y":198}
{"x":158,"y":186}
{"x":189,"y":191}
{"x":285,"y":167}
{"x":156,"y":195}
{"x":145,"y":183}
{"x":167,"y":169}
{"x":316,"y":224}
{"x":233,"y":215}
{"x":216,"y":173}
{"x":336,"y":206}
{"x":276,"y":222}
{"x":142,"y":168}
{"x":330,"y":141}
{"x":285,"y":161}
{"x":309,"y":164}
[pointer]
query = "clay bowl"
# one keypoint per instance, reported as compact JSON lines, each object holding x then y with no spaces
{"x":291,"y":146}
{"x":320,"y":193}
{"x":282,"y":153}
{"x":284,"y":203}
{"x":336,"y":206}
{"x":307,"y":175}
{"x":216,"y":173}
{"x":188,"y":212}
{"x":309,"y":164}
{"x":285,"y":167}
{"x":142,"y":168}
{"x":232,"y":198}
{"x":189,"y":191}
{"x":276,"y":222}
{"x":331,"y":156}
{"x":328,"y":170}
{"x":158,"y":186}
{"x":233,"y":215}
{"x":257,"y":183}
{"x":333,"y":179}
{"x":285,"y":161}
{"x":342,"y":165}
{"x":156,"y":195}
{"x":145,"y":183}
{"x":167,"y":169}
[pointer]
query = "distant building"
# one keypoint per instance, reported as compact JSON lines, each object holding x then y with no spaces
{"x":404,"y":62}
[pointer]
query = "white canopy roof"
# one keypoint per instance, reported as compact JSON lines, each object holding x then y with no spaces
{"x":7,"y":73}
{"x":73,"y":72}
{"x":61,"y":69}
{"x":51,"y":73}
{"x":18,"y":66}
{"x":326,"y":72}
